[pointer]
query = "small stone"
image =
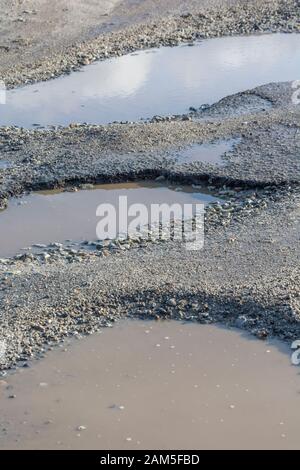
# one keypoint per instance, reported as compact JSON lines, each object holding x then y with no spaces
{"x":81,"y":428}
{"x":262,"y":334}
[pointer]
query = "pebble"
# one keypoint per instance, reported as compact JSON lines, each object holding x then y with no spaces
{"x":81,"y":428}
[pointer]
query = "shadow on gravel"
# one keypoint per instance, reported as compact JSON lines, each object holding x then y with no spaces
{"x":244,"y":312}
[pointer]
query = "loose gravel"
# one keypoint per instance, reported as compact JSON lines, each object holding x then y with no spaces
{"x":248,"y":273}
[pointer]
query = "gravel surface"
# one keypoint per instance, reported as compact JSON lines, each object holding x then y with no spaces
{"x":247,"y":276}
{"x":65,"y":48}
{"x":267,"y":153}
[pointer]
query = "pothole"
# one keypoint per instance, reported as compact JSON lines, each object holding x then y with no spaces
{"x":142,"y":85}
{"x":197,"y":386}
{"x":212,"y":153}
{"x":48,"y":216}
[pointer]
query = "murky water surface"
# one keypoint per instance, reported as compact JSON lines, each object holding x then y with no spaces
{"x":160,"y":81}
{"x":54,"y":216}
{"x":161,"y":385}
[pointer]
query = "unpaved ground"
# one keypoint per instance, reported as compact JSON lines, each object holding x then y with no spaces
{"x":32,"y":30}
{"x":268,"y":152}
{"x":247,"y":274}
{"x":199,"y":387}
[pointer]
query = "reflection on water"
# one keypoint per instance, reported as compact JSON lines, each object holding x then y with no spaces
{"x":57,"y":216}
{"x":167,"y":82}
{"x":207,"y":153}
{"x":5,"y":164}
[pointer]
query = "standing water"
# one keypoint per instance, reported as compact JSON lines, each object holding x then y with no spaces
{"x":160,"y":81}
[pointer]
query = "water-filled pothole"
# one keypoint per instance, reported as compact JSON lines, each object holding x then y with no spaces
{"x":155,"y":385}
{"x":207,"y":153}
{"x":142,"y":85}
{"x":49,"y":216}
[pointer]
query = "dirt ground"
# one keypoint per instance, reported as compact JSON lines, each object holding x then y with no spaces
{"x":248,"y":273}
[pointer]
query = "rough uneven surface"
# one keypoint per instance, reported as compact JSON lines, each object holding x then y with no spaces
{"x":248,"y":273}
